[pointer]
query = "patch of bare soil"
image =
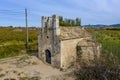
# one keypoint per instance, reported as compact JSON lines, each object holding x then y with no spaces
{"x":29,"y":68}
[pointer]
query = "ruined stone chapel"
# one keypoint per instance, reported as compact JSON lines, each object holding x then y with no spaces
{"x":57,"y":45}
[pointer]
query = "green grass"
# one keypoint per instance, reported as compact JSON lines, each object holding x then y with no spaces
{"x":13,"y":41}
{"x":109,"y":39}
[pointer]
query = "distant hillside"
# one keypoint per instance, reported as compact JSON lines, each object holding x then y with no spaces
{"x":115,"y":25}
{"x":102,"y":25}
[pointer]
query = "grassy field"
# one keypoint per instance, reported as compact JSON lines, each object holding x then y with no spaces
{"x":109,"y":39}
{"x":13,"y":41}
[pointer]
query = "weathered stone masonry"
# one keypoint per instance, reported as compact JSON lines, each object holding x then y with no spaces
{"x":57,"y":45}
{"x":48,"y":40}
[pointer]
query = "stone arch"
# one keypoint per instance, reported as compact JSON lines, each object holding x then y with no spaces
{"x":85,"y":50}
{"x":48,"y":56}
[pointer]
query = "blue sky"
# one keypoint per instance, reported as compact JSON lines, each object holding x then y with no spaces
{"x":90,"y":11}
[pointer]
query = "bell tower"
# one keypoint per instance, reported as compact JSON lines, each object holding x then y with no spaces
{"x":55,"y":24}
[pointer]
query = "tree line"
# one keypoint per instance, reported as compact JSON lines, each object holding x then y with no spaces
{"x":69,"y":22}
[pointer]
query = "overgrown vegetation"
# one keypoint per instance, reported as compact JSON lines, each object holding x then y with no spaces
{"x":109,"y":39}
{"x":107,"y":67}
{"x":13,"y":41}
{"x":69,"y":22}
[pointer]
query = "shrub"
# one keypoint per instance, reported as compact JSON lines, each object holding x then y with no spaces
{"x":103,"y":69}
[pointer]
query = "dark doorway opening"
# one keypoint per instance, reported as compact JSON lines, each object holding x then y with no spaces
{"x":48,"y":56}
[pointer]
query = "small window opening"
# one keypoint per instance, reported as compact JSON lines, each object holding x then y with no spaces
{"x":47,"y":37}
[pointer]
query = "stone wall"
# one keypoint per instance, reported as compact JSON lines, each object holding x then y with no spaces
{"x":68,"y":52}
{"x":62,"y":43}
{"x":88,"y":51}
{"x":48,"y":40}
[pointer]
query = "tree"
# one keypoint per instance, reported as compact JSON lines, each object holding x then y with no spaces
{"x":10,"y":26}
{"x":73,"y":23}
{"x":61,"y":22}
{"x":69,"y":22}
{"x":78,"y":22}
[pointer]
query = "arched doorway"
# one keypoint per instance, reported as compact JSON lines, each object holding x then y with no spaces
{"x":48,"y":56}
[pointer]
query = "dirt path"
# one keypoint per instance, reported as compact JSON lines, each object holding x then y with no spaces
{"x":29,"y":68}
